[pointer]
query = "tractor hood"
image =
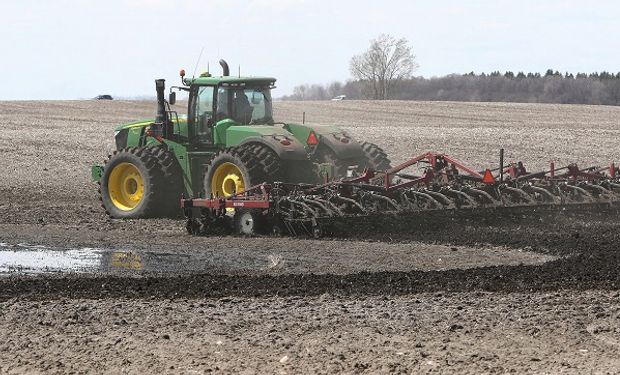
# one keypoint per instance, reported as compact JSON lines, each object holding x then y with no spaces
{"x":146,"y":122}
{"x":131,"y":134}
{"x":135,"y":124}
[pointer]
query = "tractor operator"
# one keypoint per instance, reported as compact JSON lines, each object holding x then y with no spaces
{"x":242,"y":110}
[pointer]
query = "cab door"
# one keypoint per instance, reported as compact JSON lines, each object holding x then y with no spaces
{"x":201,"y":116}
{"x":201,"y":147}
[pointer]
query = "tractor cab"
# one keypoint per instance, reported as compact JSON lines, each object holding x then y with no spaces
{"x":244,"y":105}
{"x":217,"y":103}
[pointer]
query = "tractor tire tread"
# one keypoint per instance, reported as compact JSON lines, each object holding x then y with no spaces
{"x":173,"y":180}
{"x":155,"y":195}
{"x":261,"y":164}
{"x":375,"y":157}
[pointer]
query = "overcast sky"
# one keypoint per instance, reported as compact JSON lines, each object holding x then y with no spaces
{"x":71,"y":49}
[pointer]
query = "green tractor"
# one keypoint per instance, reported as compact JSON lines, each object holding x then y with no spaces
{"x":227,"y":142}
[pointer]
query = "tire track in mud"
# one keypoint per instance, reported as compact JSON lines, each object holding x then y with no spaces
{"x":563,"y":274}
{"x":586,"y":243}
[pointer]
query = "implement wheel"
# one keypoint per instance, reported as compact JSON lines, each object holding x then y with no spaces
{"x":132,"y":184}
{"x":250,"y":222}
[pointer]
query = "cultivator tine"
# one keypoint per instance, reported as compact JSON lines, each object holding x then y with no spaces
{"x":413,"y":205}
{"x":598,"y":191}
{"x":305,"y":207}
{"x":352,"y":202}
{"x":468,"y":201}
{"x":290,"y":228}
{"x":313,"y":201}
{"x":447,"y":202}
{"x":332,"y":207}
{"x":428,"y":197}
{"x":581,"y":192}
{"x":376,"y":198}
{"x":520,"y":193}
{"x":549,"y":198}
{"x":494,"y":202}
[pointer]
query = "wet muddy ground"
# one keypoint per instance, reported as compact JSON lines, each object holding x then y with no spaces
{"x":26,"y":259}
{"x":495,"y":294}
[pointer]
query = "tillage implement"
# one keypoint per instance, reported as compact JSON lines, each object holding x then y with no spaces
{"x":445,"y":185}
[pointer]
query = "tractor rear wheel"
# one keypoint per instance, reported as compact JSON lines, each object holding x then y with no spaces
{"x":374,"y":157}
{"x":235,"y":169}
{"x":132,"y":185}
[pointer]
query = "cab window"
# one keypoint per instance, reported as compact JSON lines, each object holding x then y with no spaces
{"x":244,"y":105}
{"x":204,"y":114}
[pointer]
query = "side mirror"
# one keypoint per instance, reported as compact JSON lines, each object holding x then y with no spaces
{"x":172,"y":98}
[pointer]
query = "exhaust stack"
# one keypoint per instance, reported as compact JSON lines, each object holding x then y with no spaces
{"x":161,"y":125}
{"x":160,"y":87}
{"x":225,"y":70}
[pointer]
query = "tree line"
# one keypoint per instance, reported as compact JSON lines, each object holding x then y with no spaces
{"x":549,"y":87}
{"x":385,"y":71}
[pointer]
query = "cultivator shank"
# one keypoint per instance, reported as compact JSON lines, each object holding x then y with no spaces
{"x":441,"y":184}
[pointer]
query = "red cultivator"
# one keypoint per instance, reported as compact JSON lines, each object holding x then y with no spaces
{"x":441,"y":183}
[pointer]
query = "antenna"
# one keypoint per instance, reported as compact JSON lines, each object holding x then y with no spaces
{"x":198,"y":61}
{"x":239,"y":71}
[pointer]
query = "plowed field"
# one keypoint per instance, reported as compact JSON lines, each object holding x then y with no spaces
{"x":503,"y":294}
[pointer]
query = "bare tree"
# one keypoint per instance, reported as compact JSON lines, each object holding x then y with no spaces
{"x":387,"y":60}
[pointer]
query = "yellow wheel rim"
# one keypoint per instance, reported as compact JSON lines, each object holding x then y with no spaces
{"x":227,"y":180}
{"x":126,"y":186}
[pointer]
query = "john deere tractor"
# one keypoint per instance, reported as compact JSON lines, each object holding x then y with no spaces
{"x":228,"y":141}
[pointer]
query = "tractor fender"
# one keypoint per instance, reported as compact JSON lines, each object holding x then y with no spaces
{"x":294,"y":150}
{"x":330,"y":137}
{"x":351,"y":149}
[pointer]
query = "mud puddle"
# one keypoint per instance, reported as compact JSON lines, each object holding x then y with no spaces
{"x":347,"y":258}
{"x":23,"y":258}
